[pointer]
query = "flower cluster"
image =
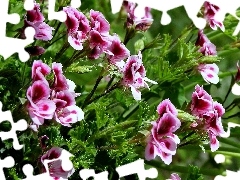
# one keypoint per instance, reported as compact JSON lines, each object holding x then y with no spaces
{"x":134,"y":75}
{"x":162,"y":141}
{"x":47,"y":100}
{"x":138,"y":17}
{"x":209,"y":72}
{"x":213,"y":16}
{"x":95,"y":34}
{"x":56,"y":169}
{"x":208,"y":113}
{"x":34,"y":18}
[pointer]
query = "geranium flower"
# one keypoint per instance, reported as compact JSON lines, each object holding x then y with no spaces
{"x":137,"y":16}
{"x":99,"y":23}
{"x":201,"y":101}
{"x":78,"y":27}
{"x":35,"y":14}
{"x":206,"y":47}
{"x":34,"y":18}
{"x":134,"y":75}
{"x":166,"y":106}
{"x":209,"y":72}
{"x":213,"y":16}
{"x":60,"y":81}
{"x":118,"y":50}
{"x":39,"y":106}
{"x":162,"y":141}
{"x":208,"y":113}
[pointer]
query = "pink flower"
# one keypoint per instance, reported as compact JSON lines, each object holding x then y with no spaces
{"x":166,"y":106}
{"x":201,"y":101}
{"x":78,"y":27}
{"x":39,"y":106}
{"x":174,"y":176}
{"x":57,"y":102}
{"x":99,"y":23}
{"x":209,"y":72}
{"x":118,"y":50}
{"x":162,"y":142}
{"x":40,"y":70}
{"x":138,"y":17}
{"x":38,"y":91}
{"x":212,"y":16}
{"x":60,"y":81}
{"x":58,"y":158}
{"x":134,"y":75}
{"x":34,"y":18}
{"x":96,"y":39}
{"x":69,"y":115}
{"x":213,"y":126}
{"x":42,"y":31}
{"x":143,"y":24}
{"x":206,"y":47}
{"x":208,"y":113}
{"x":35,"y":15}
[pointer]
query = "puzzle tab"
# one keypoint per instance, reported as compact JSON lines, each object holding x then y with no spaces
{"x":21,"y":125}
{"x":137,"y":167}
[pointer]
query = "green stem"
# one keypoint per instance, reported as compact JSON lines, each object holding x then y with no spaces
{"x":93,"y":90}
{"x":116,"y":85}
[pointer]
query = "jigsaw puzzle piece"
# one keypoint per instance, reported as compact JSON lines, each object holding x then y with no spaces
{"x":137,"y":167}
{"x":8,"y":162}
{"x":21,"y":125}
{"x":8,"y":45}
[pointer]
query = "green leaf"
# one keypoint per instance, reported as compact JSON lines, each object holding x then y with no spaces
{"x":194,"y":173}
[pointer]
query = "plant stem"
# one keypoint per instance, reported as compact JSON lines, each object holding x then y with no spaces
{"x":93,"y":90}
{"x":116,"y":85}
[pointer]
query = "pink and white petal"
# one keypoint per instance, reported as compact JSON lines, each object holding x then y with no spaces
{"x":150,"y":151}
{"x":166,"y":158}
{"x":174,"y":176}
{"x":43,"y":68}
{"x":166,"y":106}
{"x":75,"y":43}
{"x":210,"y":76}
{"x":53,"y":153}
{"x":214,"y":143}
{"x":167,"y":145}
{"x":167,"y":124}
{"x":46,"y":108}
{"x":39,"y":90}
{"x":136,"y":93}
{"x":56,"y":170}
{"x":37,"y":120}
{"x":73,"y":109}
{"x":219,"y":108}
